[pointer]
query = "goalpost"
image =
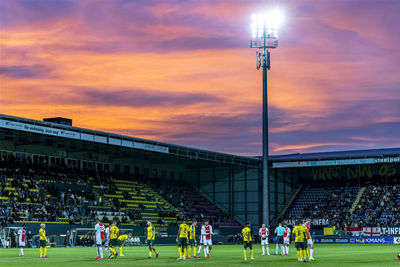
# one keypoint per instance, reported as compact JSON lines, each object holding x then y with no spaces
{"x":79,"y":234}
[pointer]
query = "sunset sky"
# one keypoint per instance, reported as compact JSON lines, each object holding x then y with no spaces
{"x":182,"y":71}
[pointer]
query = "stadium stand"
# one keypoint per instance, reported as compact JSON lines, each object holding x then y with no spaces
{"x":378,"y":206}
{"x":64,"y":195}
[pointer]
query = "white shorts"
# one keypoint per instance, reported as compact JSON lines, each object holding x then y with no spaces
{"x":21,"y":244}
{"x":264,"y":242}
{"x":309,"y":241}
{"x":207,"y":242}
{"x":99,"y":241}
{"x":286,"y":240}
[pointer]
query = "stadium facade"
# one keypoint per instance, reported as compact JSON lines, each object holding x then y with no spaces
{"x":233,"y":183}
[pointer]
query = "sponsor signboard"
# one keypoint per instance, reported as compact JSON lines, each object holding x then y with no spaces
{"x":315,"y":222}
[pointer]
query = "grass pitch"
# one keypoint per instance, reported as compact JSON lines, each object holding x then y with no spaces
{"x":337,"y":255}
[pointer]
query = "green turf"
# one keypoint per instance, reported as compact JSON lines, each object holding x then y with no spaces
{"x":337,"y":255}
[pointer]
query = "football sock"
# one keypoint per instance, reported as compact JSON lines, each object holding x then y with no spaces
{"x":45,"y":251}
{"x":307,"y":253}
{"x":190,"y":251}
{"x":101,"y":252}
{"x":21,"y":251}
{"x":282,"y":249}
{"x":150,"y":253}
{"x":194,"y":251}
{"x":245,"y":254}
{"x":287,"y":250}
{"x":113,"y":252}
{"x":41,"y":251}
{"x":199,"y":249}
{"x":205,"y":251}
{"x":97,"y":251}
{"x":184,"y":253}
{"x":298,"y":254}
{"x":180,"y":252}
{"x":263,"y":249}
{"x":108,"y":251}
{"x":268,"y":249}
{"x":311,"y":252}
{"x":155,"y":251}
{"x":120,"y":250}
{"x":251,"y":253}
{"x":277,"y":249}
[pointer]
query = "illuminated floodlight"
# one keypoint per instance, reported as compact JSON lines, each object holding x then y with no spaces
{"x":266,"y":22}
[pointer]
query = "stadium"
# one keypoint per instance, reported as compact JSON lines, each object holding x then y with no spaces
{"x":66,"y":177}
{"x":139,"y":133}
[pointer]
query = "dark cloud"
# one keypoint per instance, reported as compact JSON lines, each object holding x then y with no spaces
{"x":25,"y":72}
{"x":136,"y":98}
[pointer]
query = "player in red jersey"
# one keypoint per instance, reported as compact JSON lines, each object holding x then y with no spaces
{"x":286,"y":239}
{"x":100,"y":236}
{"x":309,"y":240}
{"x":264,"y":233}
{"x":207,"y":233}
{"x":21,"y":240}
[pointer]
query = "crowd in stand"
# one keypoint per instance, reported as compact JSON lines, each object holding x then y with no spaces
{"x":379,"y":206}
{"x":36,"y":197}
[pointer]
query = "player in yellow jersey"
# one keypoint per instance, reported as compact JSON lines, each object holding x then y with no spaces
{"x":300,"y":239}
{"x":43,"y":241}
{"x":114,"y":233}
{"x":192,"y":240}
{"x":122,"y":241}
{"x":151,"y":235}
{"x":247,"y":241}
{"x":182,"y":239}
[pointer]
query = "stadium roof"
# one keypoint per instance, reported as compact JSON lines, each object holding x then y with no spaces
{"x":65,"y":132}
{"x":338,"y":154}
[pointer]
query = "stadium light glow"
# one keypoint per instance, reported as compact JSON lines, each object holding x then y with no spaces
{"x":264,"y":32}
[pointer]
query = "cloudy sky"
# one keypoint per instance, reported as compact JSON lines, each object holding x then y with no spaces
{"x":182,"y":72}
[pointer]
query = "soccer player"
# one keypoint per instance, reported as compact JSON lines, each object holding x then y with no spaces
{"x":122,"y":241}
{"x":286,"y":240}
{"x":108,"y":241}
{"x":21,"y":240}
{"x":114,"y":232}
{"x":300,"y":236}
{"x":182,"y":239}
{"x":264,"y":233}
{"x":309,"y":240}
{"x":43,"y":241}
{"x":207,"y":233}
{"x":247,"y":241}
{"x":99,"y":231}
{"x":279,"y":231}
{"x":151,"y":235}
{"x":192,"y":240}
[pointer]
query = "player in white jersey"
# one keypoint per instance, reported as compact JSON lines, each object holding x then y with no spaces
{"x":286,"y":239}
{"x":107,"y":241}
{"x":309,"y":240}
{"x":264,"y":233}
{"x":207,"y":233}
{"x":22,"y":240}
{"x":100,"y":235}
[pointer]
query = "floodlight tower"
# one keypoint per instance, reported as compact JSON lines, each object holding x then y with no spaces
{"x":264,"y":28}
